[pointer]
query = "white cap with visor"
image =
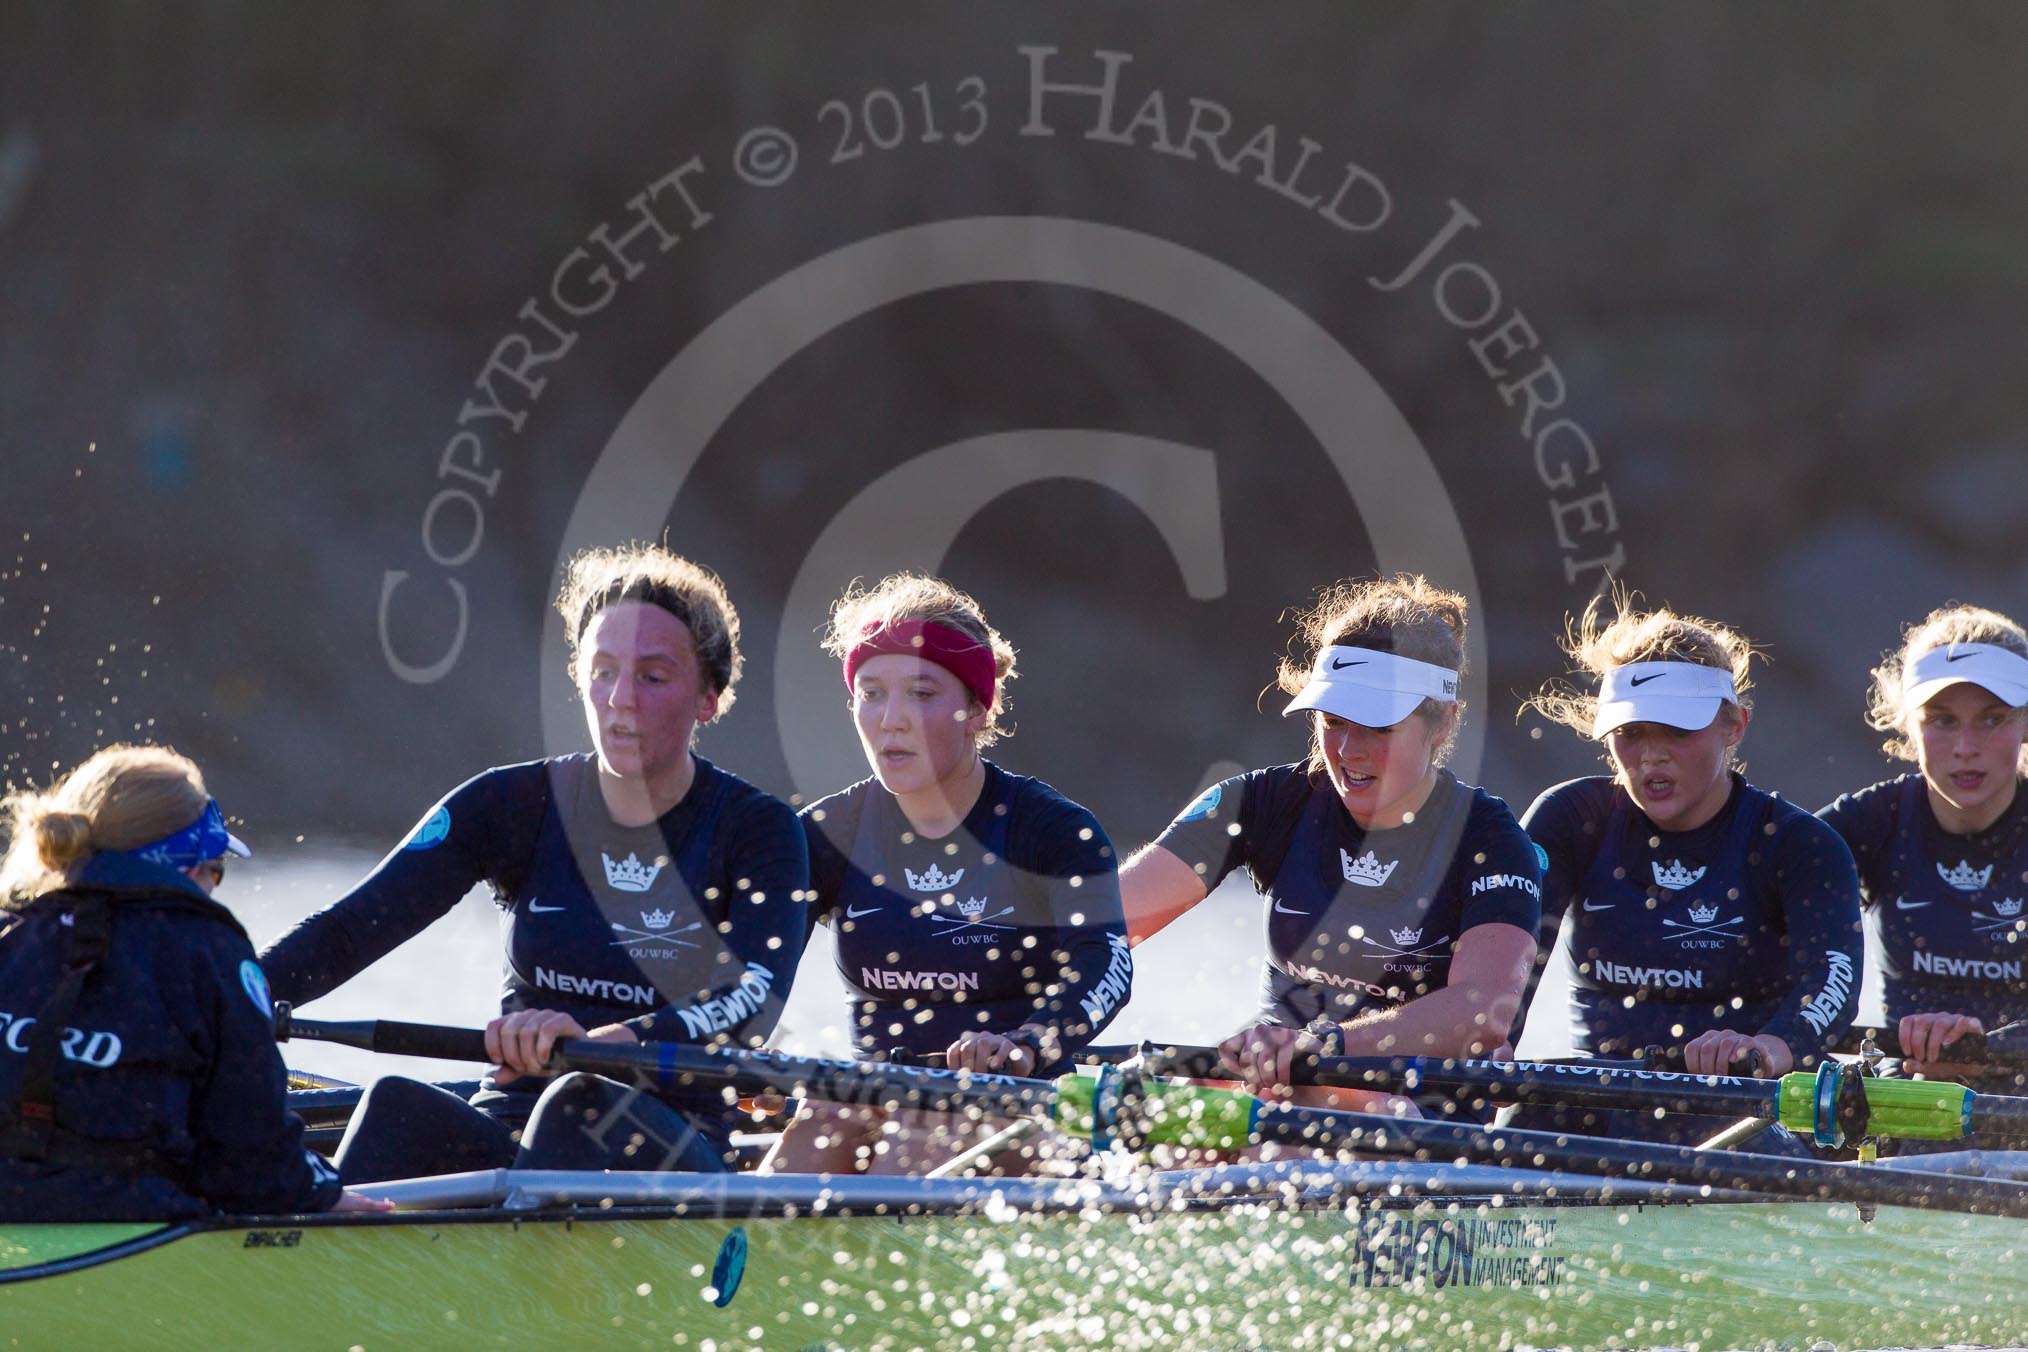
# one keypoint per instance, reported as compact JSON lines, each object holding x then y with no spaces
{"x":1371,"y":688}
{"x":1685,"y":695}
{"x":2002,"y":673}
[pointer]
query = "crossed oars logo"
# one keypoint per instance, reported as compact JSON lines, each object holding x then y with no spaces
{"x":658,"y":930}
{"x":1703,"y":918}
{"x":1407,"y":938}
{"x":971,"y":915}
{"x":2008,"y":917}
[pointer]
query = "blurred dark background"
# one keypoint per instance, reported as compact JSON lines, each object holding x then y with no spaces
{"x":254,"y":256}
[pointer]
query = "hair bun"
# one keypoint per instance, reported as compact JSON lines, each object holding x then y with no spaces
{"x":62,"y":838}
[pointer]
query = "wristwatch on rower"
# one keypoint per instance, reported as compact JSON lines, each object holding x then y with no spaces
{"x":1329,"y":1032}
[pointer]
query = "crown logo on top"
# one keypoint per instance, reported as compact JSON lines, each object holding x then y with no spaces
{"x":972,"y":907}
{"x":1406,"y":937}
{"x":932,"y":879}
{"x":1964,"y":877}
{"x":1703,"y":915}
{"x":657,"y":919}
{"x":1675,"y":877}
{"x":2007,"y":906}
{"x":1367,"y":870}
{"x":630,"y":874}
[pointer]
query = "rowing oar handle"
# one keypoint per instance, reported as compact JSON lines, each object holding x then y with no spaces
{"x":385,"y":1035}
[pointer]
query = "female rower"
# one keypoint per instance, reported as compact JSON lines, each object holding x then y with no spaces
{"x":1402,"y":904}
{"x":1705,"y":913}
{"x":647,"y":895}
{"x":138,"y":1073}
{"x":977,"y":912}
{"x":1943,"y":853}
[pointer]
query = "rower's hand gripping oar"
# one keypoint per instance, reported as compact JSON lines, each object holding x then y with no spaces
{"x":2003,"y":1049}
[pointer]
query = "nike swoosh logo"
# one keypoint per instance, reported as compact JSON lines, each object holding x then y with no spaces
{"x":1958,"y":657}
{"x":1287,"y":910}
{"x":537,"y":908}
{"x":1904,"y":904}
{"x":1336,"y":665}
{"x":851,"y":914}
{"x":1643,"y":680}
{"x":1607,"y":907}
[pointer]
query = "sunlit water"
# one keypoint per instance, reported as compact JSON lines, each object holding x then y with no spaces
{"x":1195,"y":982}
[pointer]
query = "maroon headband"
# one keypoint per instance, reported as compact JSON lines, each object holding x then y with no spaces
{"x":952,"y":649}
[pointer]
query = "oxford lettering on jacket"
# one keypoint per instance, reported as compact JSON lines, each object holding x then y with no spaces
{"x":86,"y":1047}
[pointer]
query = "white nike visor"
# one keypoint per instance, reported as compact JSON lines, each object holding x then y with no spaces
{"x":2002,"y":673}
{"x":1684,"y":695}
{"x":1372,"y":689}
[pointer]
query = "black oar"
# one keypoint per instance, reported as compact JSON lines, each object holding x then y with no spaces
{"x":1830,"y":1107}
{"x":670,"y":1065}
{"x":1204,"y":1063}
{"x":1324,"y":1129}
{"x":1576,"y":1084}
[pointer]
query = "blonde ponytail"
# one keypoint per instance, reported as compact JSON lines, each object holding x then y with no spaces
{"x":121,"y":799}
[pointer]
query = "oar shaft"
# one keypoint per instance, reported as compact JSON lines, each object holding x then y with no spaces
{"x":1323,"y":1129}
{"x":1576,"y":1086}
{"x":1857,"y":1105}
{"x":1829,"y":1107}
{"x":669,"y":1065}
{"x":1204,"y":1062}
{"x":1999,"y":1120}
{"x":1580,"y":1084}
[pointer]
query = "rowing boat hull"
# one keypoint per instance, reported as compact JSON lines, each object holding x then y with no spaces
{"x":1446,"y":1272}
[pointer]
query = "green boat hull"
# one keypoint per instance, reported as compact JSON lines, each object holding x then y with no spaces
{"x":1446,"y":1272}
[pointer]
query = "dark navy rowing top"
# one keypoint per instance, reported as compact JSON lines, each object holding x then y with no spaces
{"x":686,"y":930}
{"x":1359,"y":920}
{"x":1014,"y":918}
{"x":1750,"y":922}
{"x":168,"y":1056}
{"x":1949,"y":912}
